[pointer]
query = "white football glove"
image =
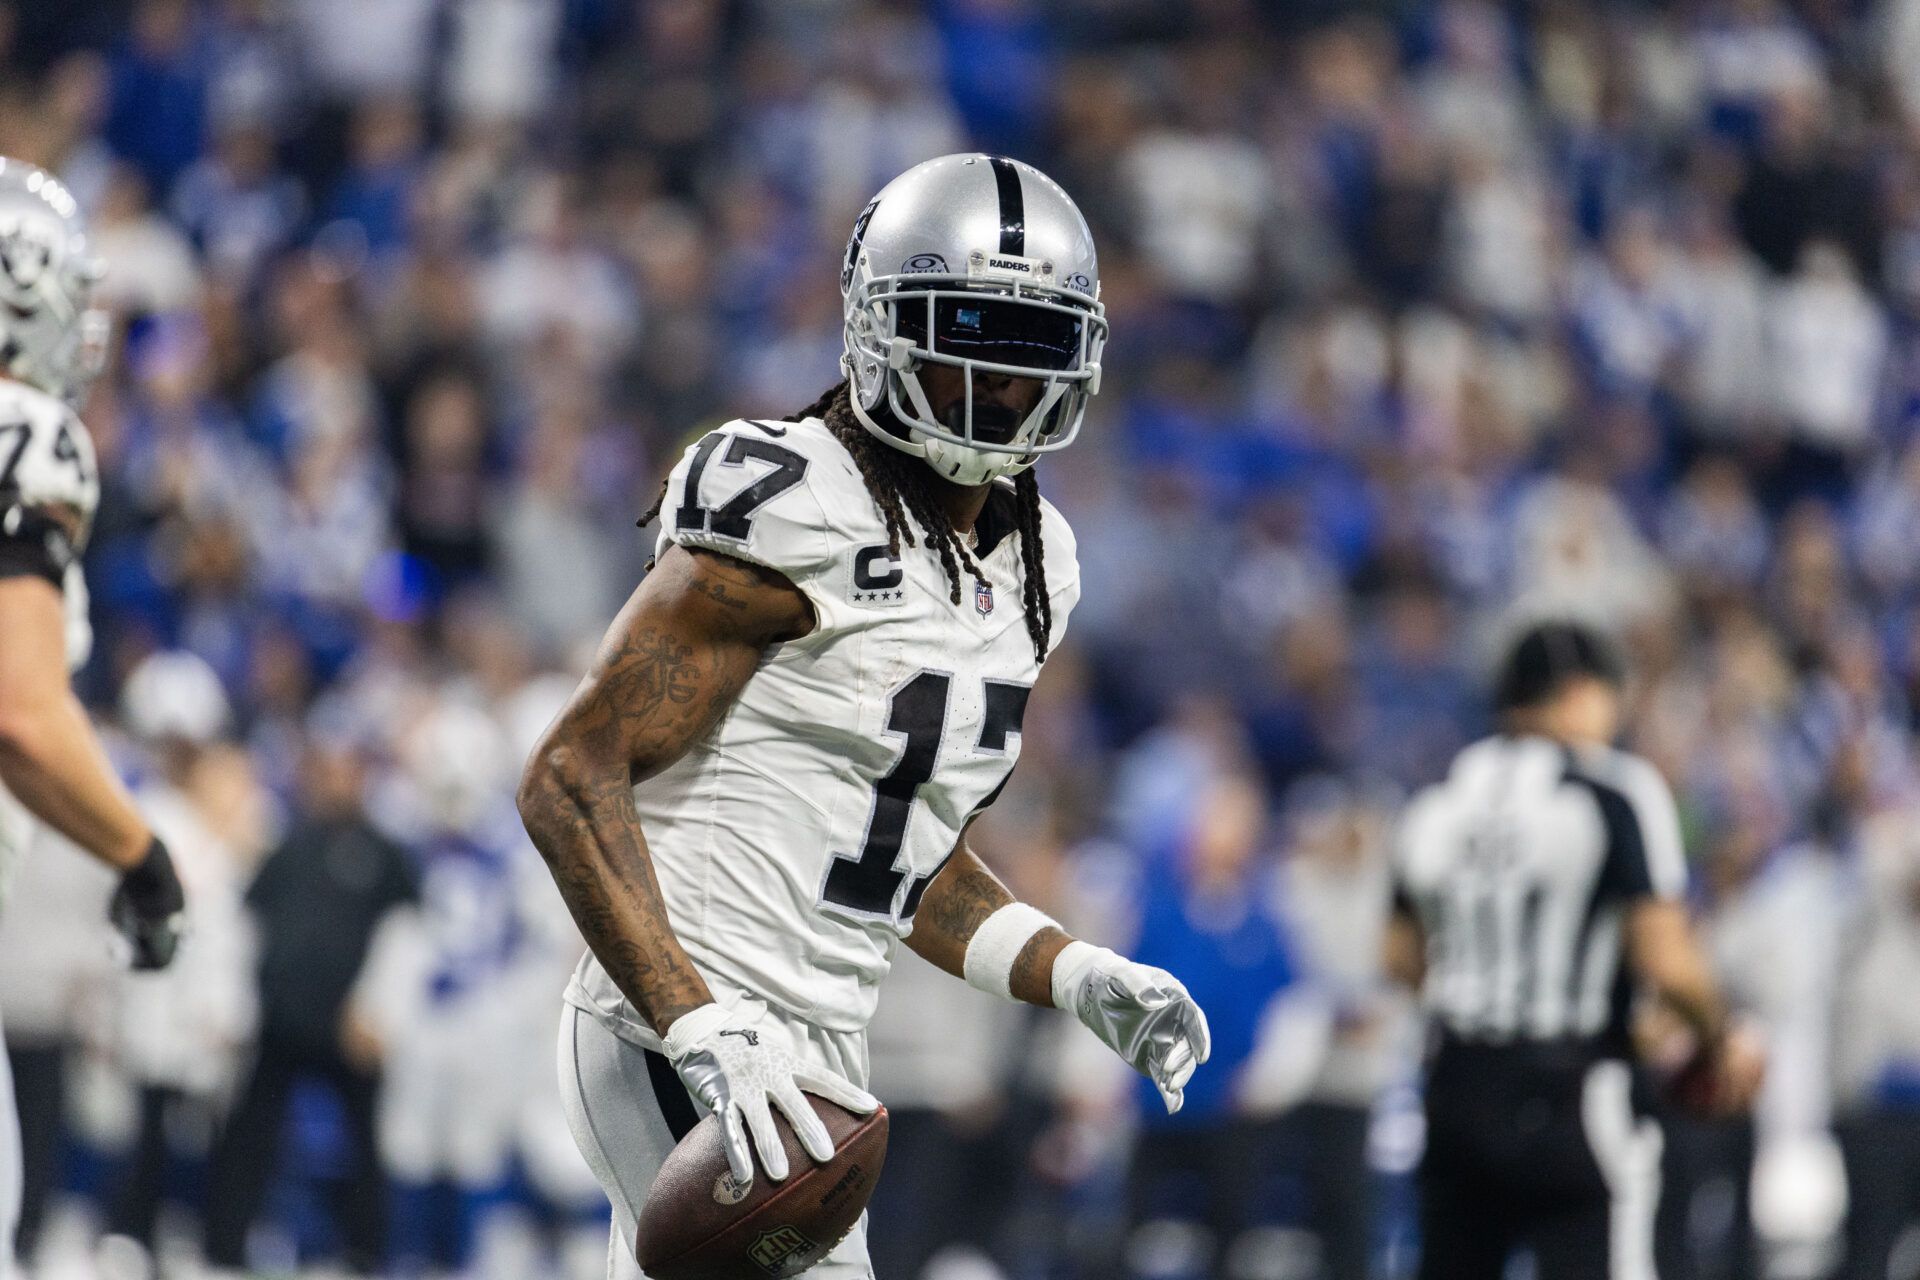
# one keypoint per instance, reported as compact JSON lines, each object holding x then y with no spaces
{"x":740,"y":1072}
{"x":1141,"y":1013}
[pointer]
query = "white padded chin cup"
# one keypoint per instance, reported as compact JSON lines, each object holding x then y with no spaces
{"x":958,"y":464}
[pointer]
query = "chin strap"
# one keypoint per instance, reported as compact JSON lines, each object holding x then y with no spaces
{"x":951,"y":462}
{"x":898,"y":440}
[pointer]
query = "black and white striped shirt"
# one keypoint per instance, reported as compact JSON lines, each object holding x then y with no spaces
{"x":1520,"y":867}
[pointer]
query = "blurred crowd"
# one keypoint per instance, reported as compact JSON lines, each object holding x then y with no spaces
{"x":1427,"y":317}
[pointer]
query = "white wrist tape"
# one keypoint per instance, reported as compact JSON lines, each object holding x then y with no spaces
{"x":997,"y":943}
{"x":690,"y":1028}
{"x":1070,"y":969}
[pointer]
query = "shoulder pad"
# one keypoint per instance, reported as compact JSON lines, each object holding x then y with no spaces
{"x":47,"y":464}
{"x":751,"y":489}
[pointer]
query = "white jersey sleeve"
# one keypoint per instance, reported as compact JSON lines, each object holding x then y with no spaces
{"x":49,"y":491}
{"x":46,"y":459}
{"x":744,"y":490}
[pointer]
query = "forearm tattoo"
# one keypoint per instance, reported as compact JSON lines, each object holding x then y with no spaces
{"x":652,"y":694}
{"x":717,"y":592}
{"x":751,"y":592}
{"x":954,"y":907}
{"x":957,"y":904}
{"x":1031,"y":978}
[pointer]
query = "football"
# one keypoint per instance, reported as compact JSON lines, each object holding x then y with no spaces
{"x":700,"y":1224}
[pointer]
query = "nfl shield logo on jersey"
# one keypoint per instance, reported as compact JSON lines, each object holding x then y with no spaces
{"x":982,"y":596}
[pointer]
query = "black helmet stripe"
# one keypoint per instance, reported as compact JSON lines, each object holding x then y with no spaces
{"x":1013,"y":206}
{"x":854,"y":241}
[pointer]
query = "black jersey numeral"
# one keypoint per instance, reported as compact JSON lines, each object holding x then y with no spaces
{"x":65,"y":450}
{"x":733,"y":519}
{"x":868,"y":882}
{"x":691,"y":515}
{"x":24,"y":432}
{"x":1006,"y":707}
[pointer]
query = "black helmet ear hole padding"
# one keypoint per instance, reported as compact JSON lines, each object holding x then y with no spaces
{"x":1550,"y":654}
{"x":883,"y":417}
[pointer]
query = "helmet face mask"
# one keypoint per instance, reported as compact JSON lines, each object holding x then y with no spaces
{"x":1009,"y":315}
{"x":50,"y":338}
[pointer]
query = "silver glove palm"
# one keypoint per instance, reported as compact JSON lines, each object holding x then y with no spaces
{"x":1142,"y":1013}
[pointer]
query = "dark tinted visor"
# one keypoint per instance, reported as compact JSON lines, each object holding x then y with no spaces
{"x":994,"y":330}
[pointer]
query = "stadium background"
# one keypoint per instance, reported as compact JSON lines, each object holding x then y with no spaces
{"x":1426,"y":317}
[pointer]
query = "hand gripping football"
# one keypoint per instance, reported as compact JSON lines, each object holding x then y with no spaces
{"x":700,"y":1224}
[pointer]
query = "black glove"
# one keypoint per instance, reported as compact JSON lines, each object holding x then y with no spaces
{"x":149,"y":908}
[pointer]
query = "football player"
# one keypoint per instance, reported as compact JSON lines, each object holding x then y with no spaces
{"x":766,"y":778}
{"x":52,"y":767}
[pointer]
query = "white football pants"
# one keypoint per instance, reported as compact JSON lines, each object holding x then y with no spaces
{"x":627,"y":1109}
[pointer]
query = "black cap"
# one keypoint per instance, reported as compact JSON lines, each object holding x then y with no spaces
{"x":1549,"y":654}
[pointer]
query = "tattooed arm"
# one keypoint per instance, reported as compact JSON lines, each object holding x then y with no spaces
{"x":956,"y":903}
{"x":670,"y":666}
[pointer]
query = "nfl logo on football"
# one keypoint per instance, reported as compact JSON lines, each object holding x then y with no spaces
{"x":777,"y":1250}
{"x":982,"y":596}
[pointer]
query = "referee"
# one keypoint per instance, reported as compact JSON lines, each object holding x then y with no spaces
{"x":1537,"y":891}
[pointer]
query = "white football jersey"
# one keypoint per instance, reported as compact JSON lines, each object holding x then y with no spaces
{"x":794,"y":841}
{"x":49,"y":489}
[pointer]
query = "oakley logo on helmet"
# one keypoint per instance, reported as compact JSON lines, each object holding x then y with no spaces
{"x":920,"y":263}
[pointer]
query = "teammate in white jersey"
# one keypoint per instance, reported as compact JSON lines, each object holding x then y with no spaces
{"x":52,"y":767}
{"x":766,"y":779}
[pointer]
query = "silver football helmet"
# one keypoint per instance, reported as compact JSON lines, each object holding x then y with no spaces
{"x":49,"y":337}
{"x":983,"y":264}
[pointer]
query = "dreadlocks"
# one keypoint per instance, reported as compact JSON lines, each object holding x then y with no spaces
{"x":901,"y":486}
